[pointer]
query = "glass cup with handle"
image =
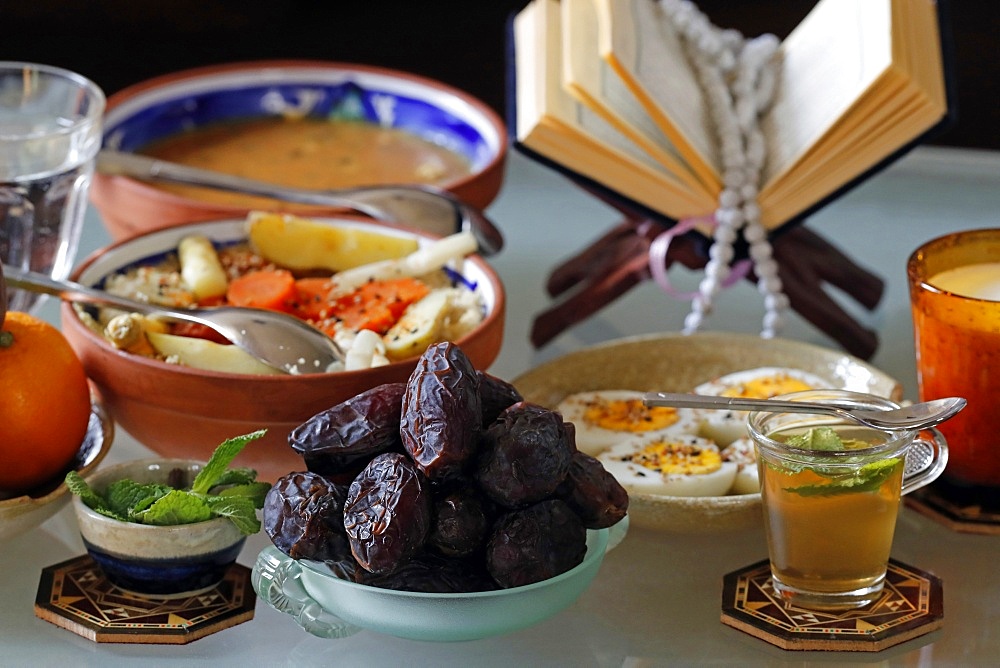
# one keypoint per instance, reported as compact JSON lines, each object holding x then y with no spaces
{"x":50,"y":132}
{"x":830,"y":491}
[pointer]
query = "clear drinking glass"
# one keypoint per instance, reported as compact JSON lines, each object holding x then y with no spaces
{"x":50,"y":132}
{"x":830,"y":514}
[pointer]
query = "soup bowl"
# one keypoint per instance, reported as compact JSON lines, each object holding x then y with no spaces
{"x":167,"y":106}
{"x":184,"y":412}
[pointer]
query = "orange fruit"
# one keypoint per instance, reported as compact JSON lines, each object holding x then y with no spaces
{"x":44,"y":402}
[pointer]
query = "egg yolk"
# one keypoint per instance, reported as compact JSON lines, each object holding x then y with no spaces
{"x":671,"y":457}
{"x":766,"y":387}
{"x":630,"y":415}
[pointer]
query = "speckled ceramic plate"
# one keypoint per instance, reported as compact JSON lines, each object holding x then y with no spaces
{"x":677,"y":363}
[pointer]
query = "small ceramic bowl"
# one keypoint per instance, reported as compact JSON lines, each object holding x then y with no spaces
{"x":678,"y":363}
{"x":169,"y":104}
{"x":183,"y":412}
{"x":328,"y":607}
{"x":157,"y":561}
{"x":22,"y":513}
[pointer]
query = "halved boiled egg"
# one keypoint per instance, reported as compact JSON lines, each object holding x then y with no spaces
{"x":603,"y":418}
{"x":682,"y":465}
{"x":743,"y":453}
{"x":725,"y":426}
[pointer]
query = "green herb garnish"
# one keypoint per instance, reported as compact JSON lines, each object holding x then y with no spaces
{"x":868,"y":478}
{"x":824,"y":438}
{"x":217,"y":491}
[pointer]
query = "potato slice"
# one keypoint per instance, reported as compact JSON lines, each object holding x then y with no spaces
{"x":208,"y":355}
{"x":200,"y":267}
{"x":300,"y":243}
{"x":418,"y":327}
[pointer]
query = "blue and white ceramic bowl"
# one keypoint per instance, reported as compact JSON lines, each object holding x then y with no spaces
{"x":163,"y":106}
{"x":157,"y":561}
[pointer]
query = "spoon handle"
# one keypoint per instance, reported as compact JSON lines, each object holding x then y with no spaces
{"x":417,"y":205}
{"x":75,"y":292}
{"x":688,"y":400}
{"x":143,"y":167}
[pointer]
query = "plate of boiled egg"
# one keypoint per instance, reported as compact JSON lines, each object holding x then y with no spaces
{"x":686,"y":470}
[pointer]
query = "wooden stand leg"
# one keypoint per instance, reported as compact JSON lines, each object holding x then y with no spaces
{"x":619,"y":260}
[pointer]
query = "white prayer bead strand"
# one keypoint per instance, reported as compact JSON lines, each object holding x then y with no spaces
{"x":738,"y":78}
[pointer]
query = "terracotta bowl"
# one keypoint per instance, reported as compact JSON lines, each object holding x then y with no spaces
{"x":185,"y":413}
{"x":166,"y":105}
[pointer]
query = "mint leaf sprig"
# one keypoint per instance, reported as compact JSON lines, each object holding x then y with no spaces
{"x":867,"y":478}
{"x":217,"y":491}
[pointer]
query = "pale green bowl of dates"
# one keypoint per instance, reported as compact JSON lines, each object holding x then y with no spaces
{"x":444,"y":508}
{"x":329,"y":607}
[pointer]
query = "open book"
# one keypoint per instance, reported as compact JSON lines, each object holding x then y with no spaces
{"x":603,"y":91}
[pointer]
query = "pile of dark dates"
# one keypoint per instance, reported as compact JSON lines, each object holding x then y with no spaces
{"x":447,"y":483}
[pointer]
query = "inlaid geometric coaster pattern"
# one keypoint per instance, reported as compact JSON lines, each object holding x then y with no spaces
{"x":911,"y":605}
{"x":76,"y":596}
{"x":959,"y":515}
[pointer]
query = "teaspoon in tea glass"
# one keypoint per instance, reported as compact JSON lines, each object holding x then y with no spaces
{"x":419,"y":206}
{"x":278,"y":340}
{"x":907,"y":418}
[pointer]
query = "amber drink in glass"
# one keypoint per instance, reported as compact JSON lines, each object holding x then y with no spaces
{"x":955,"y":298}
{"x":831,"y":493}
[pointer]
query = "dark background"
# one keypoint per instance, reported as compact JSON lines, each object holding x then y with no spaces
{"x":120,"y":42}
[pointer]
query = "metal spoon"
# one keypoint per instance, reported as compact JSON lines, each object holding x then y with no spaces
{"x":278,"y":340}
{"x":419,"y":206}
{"x":907,"y":418}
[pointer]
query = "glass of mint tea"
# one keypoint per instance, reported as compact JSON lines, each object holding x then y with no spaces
{"x":831,"y":492}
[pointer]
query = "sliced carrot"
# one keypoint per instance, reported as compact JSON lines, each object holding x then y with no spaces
{"x":375,"y":317}
{"x":197,"y":331}
{"x":272,"y":289}
{"x":212,"y":301}
{"x":313,"y":298}
{"x":376,"y":305}
{"x":379,"y":304}
{"x":398,"y":294}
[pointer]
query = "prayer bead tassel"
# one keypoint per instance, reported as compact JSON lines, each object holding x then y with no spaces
{"x":738,"y":78}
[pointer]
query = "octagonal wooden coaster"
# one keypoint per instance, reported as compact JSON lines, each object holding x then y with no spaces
{"x":911,"y":605}
{"x":959,"y":512}
{"x":76,"y":596}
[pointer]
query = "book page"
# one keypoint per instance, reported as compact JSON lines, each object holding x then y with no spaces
{"x":639,"y":42}
{"x":923,"y":48}
{"x":560,"y":128}
{"x":871,"y":91}
{"x":589,"y":78}
{"x":829,"y":61}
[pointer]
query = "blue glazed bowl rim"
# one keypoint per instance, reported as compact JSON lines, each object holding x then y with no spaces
{"x":168,"y":89}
